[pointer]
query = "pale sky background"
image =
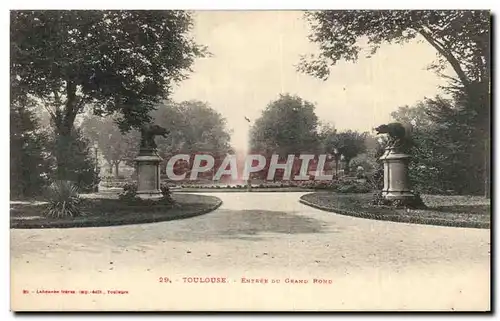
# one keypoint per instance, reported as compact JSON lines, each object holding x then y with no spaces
{"x":254,"y":58}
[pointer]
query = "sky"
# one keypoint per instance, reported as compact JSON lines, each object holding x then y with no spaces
{"x":254,"y":58}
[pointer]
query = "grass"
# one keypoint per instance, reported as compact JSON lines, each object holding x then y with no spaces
{"x":109,"y":212}
{"x":458,"y":211}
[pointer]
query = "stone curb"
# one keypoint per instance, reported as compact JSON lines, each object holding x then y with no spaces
{"x":398,"y":219}
{"x":116,"y":222}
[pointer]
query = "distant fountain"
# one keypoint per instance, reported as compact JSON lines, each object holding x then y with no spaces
{"x":240,"y":162}
{"x":248,"y":149}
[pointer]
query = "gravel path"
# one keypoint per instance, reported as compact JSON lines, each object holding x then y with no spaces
{"x":372,"y":265}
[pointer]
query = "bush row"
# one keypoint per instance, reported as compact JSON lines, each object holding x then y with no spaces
{"x":339,"y":186}
{"x":129,"y":195}
{"x":343,"y":186}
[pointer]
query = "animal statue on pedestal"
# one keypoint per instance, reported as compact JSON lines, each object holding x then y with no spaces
{"x":399,"y":135}
{"x":148,"y":134}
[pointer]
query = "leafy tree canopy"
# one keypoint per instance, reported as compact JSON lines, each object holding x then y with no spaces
{"x":287,"y":126}
{"x":349,"y":143}
{"x":461,"y":38}
{"x":194,"y":127}
{"x":114,"y":145}
{"x":30,"y":162}
{"x":123,"y":60}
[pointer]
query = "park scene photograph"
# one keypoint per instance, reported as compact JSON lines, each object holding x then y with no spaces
{"x":171,"y":160}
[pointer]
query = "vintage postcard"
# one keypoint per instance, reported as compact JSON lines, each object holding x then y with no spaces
{"x":170,"y":160}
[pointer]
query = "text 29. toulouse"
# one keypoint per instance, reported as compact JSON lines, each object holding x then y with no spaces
{"x":165,"y":279}
{"x":248,"y":280}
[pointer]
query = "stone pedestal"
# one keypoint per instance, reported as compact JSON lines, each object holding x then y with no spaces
{"x":148,"y":174}
{"x":397,"y":190}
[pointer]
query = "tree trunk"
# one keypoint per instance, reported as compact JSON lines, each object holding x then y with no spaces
{"x":487,"y":158}
{"x":487,"y":169}
{"x":485,"y":123}
{"x":63,"y":141}
{"x":117,"y":166}
{"x":346,"y":166}
{"x":63,"y":121}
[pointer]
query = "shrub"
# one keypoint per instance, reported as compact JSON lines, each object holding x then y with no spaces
{"x":379,"y":199}
{"x":166,"y":193}
{"x":367,"y":161}
{"x":129,"y":192}
{"x":324,"y":185}
{"x":165,"y":190}
{"x":305,"y":184}
{"x":77,"y":161}
{"x":63,"y":200}
{"x":129,"y":195}
{"x":341,"y":186}
{"x":351,"y":186}
{"x":354,"y":188}
{"x":376,"y":179}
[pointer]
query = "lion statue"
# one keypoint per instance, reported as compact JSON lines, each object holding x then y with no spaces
{"x":148,"y":134}
{"x":399,"y":135}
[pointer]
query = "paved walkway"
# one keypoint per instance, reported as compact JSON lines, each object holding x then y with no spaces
{"x":371,"y":264}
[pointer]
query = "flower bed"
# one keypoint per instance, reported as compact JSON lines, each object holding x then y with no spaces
{"x":343,"y":186}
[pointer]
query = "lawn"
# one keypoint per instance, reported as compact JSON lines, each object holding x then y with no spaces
{"x":458,"y":211}
{"x":111,"y":211}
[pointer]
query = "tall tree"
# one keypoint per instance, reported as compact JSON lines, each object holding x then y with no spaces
{"x":30,"y":161}
{"x":115,"y":146}
{"x":328,"y":138}
{"x":446,"y":146}
{"x":119,"y":60}
{"x":431,"y":163}
{"x":348,"y":143}
{"x":461,"y":39}
{"x":287,"y":126}
{"x":417,"y":115}
{"x":195,"y":127}
{"x":82,"y":166}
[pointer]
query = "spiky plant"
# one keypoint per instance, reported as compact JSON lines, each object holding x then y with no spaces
{"x":63,"y":200}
